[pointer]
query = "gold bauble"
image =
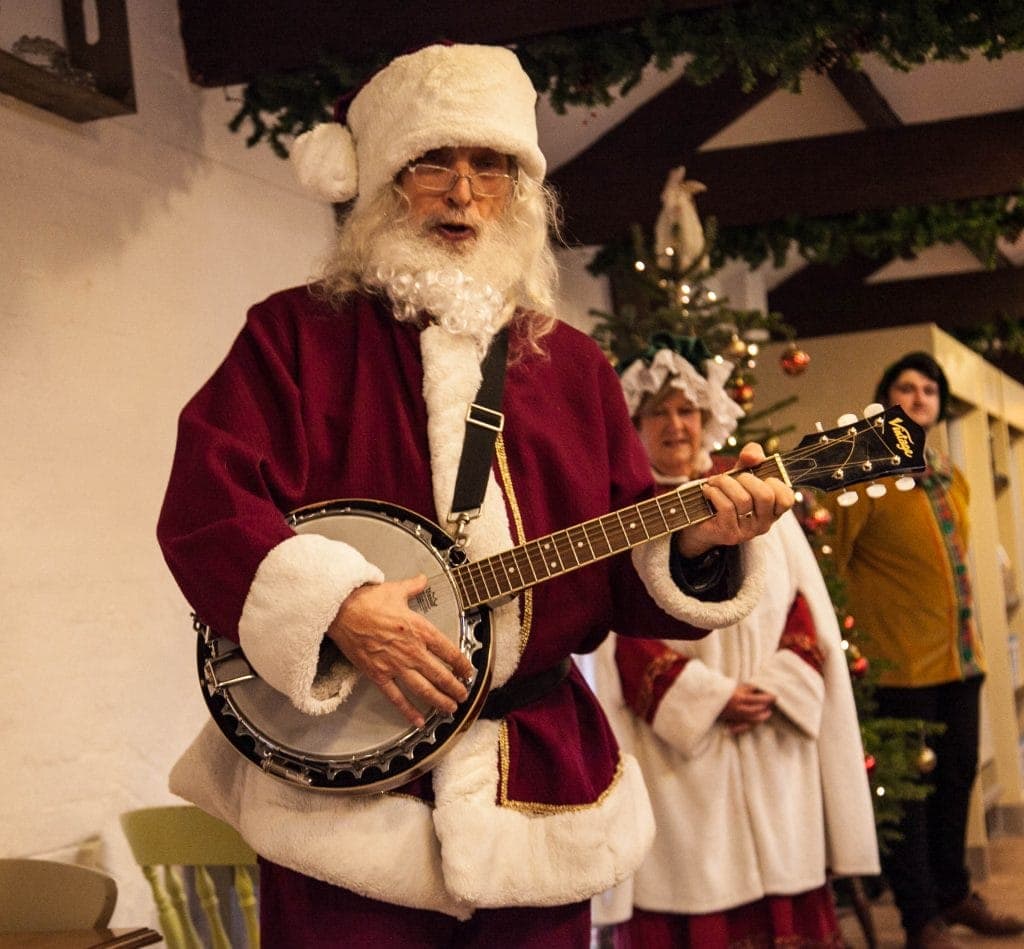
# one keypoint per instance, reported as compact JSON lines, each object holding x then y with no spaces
{"x":927,"y":760}
{"x":736,"y":349}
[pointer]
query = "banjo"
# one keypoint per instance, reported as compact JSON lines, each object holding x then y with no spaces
{"x":366,"y":745}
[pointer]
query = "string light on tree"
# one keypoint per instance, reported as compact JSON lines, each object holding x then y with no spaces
{"x":927,"y":760}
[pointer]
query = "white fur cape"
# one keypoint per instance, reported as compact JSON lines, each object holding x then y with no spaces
{"x":765,"y":812}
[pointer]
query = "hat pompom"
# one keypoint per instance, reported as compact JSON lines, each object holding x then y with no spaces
{"x":324,"y":160}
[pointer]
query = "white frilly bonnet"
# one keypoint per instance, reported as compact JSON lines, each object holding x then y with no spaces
{"x":663,"y":365}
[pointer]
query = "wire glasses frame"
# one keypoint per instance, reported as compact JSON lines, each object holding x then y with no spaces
{"x":436,"y":179}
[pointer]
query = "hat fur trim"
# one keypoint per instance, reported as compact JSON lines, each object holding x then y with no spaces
{"x":324,"y":160}
{"x":437,"y":97}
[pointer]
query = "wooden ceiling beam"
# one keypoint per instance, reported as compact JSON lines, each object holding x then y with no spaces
{"x":864,"y":97}
{"x":822,"y":300}
{"x":952,"y":160}
{"x":233,"y":41}
{"x":617,"y":181}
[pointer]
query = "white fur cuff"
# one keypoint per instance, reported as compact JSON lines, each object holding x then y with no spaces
{"x":651,"y":562}
{"x":294,"y":596}
{"x":798,"y":688}
{"x":689,"y":709}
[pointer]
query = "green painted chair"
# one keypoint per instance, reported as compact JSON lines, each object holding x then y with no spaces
{"x":165,"y":840}
{"x":46,"y":896}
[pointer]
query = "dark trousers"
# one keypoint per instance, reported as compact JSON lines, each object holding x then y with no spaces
{"x":926,"y":868}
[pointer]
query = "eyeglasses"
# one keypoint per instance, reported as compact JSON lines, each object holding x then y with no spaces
{"x":435,"y":179}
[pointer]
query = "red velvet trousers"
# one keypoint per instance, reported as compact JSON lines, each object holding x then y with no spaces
{"x":298,"y":912}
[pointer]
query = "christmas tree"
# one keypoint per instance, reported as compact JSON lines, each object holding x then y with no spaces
{"x":662,"y":286}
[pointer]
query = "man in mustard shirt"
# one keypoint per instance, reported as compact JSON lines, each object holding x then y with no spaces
{"x":904,"y":560}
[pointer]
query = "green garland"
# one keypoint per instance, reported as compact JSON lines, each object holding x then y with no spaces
{"x":995,"y":339}
{"x":756,"y":40}
{"x":765,"y":39}
{"x":879,"y":235}
{"x":282,"y":106}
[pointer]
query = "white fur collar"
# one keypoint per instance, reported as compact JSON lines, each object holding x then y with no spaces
{"x":451,"y":379}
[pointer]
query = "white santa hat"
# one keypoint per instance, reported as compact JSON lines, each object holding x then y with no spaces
{"x":437,"y":97}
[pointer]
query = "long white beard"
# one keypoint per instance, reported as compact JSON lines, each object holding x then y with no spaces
{"x":469,"y":293}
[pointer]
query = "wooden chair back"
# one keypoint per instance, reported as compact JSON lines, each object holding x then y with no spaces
{"x":46,"y":896}
{"x":164,"y":840}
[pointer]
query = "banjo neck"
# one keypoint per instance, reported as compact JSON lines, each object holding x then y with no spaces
{"x":505,"y":574}
{"x":881,"y":445}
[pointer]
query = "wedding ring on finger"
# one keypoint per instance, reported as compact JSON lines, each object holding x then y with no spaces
{"x":748,"y":514}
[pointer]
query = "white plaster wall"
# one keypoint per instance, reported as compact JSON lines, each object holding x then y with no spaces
{"x":129,"y":250}
{"x":579,"y":292}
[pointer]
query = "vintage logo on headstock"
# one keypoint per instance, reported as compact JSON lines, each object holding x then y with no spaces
{"x":904,"y":441}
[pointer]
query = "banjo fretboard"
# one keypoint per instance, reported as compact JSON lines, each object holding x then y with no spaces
{"x":513,"y":570}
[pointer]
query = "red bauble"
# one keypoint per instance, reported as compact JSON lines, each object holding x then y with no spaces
{"x":859,"y":666}
{"x":818,"y":518}
{"x":848,"y":622}
{"x":870,"y":764}
{"x":742,"y":393}
{"x":794,"y":360}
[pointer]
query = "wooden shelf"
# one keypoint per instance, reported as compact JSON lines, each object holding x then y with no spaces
{"x":45,"y":89}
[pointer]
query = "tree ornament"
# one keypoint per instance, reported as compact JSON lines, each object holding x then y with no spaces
{"x":736,"y":349}
{"x":818,"y":518}
{"x":859,"y":667}
{"x":852,"y":651}
{"x":870,"y":763}
{"x":794,"y":360}
{"x":678,"y":234}
{"x":926,"y":760}
{"x":771,"y":444}
{"x":742,"y":393}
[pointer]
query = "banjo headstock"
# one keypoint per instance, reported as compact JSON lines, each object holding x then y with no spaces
{"x":881,"y":445}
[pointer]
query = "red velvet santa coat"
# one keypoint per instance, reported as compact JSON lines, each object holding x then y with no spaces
{"x":536,"y":809}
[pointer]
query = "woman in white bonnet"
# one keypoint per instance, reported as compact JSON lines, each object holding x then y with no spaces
{"x":748,"y":739}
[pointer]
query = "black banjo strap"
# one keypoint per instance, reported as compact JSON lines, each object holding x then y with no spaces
{"x":484,"y":421}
